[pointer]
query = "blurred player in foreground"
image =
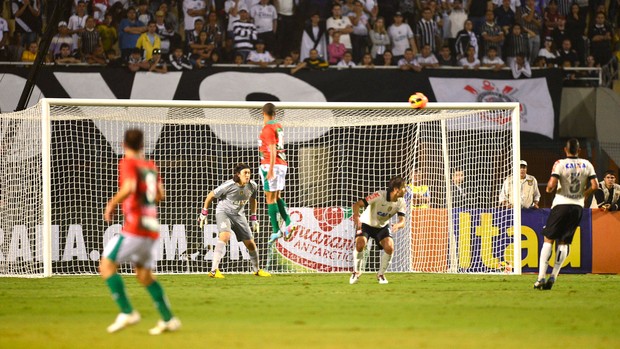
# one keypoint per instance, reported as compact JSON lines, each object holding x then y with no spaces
{"x":140,"y":190}
{"x":273,"y":168}
{"x":232,"y":196}
{"x":575,"y":180}
{"x":379,"y":207}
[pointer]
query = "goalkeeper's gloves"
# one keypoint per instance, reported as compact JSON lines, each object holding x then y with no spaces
{"x":202,"y":219}
{"x":254,"y":224}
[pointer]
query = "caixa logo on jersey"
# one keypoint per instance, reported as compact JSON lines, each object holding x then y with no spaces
{"x":490,"y":93}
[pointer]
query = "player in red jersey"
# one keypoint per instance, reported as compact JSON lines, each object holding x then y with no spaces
{"x":273,"y":167}
{"x":140,"y":190}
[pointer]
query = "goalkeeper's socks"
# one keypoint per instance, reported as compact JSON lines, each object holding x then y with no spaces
{"x":218,"y":254}
{"x":161,"y":303}
{"x":359,"y":259}
{"x":543,"y":264}
{"x":561,"y":255}
{"x":272,"y":209}
{"x":117,"y":287}
{"x":283,"y":212}
{"x":386,"y":259}
{"x":254,"y":260}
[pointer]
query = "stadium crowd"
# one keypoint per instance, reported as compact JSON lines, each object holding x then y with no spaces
{"x":162,"y":35}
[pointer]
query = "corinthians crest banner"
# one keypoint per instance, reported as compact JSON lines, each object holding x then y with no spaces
{"x":532,"y":95}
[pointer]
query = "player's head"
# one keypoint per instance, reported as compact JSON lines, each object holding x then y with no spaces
{"x":572,"y":147}
{"x":609,"y":178}
{"x":396,"y":186}
{"x":241,"y":173}
{"x":134,"y":139}
{"x":269,"y":110}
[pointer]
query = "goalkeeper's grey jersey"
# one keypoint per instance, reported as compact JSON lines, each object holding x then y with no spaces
{"x":232,"y":197}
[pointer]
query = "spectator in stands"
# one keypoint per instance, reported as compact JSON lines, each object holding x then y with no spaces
{"x":202,"y":51}
{"x":492,"y":59}
{"x":156,"y":63}
{"x":97,"y":56}
{"x":89,"y":38}
{"x":136,"y":61}
{"x":335,"y":49}
{"x":386,"y":60}
{"x":359,"y":35}
{"x":569,"y":75}
{"x":408,"y":9}
{"x":77,"y":22}
{"x":492,"y":34}
{"x":149,"y":41}
{"x":170,"y":18}
{"x":516,"y":43}
{"x":65,"y":56}
{"x":564,"y":7}
{"x":4,"y":39}
{"x":520,"y":67}
{"x":567,"y":54}
{"x":99,"y":10}
{"x":505,"y":16}
{"x":30,"y":54}
{"x":245,"y":34}
{"x":193,"y":10}
{"x":192,"y":39}
{"x":346,"y":61}
{"x":142,"y":12}
{"x":476,"y":10}
{"x":232,"y":7}
{"x":339,"y":24}
{"x":427,"y":59}
{"x":167,"y":35}
{"x":313,"y":62}
{"x":27,"y":14}
{"x":541,"y":62}
{"x":459,"y":189}
{"x":428,"y":32}
{"x":446,"y":58}
{"x":470,"y":61}
{"x":551,"y":17}
{"x":379,"y":38}
{"x":466,"y":38}
{"x":346,"y":6}
{"x":296,"y":56}
{"x":287,"y":61}
{"x":367,"y":61}
{"x":401,"y":37}
{"x":548,"y":51}
{"x":314,"y":36}
{"x":530,"y":194}
{"x":265,"y":18}
{"x":600,"y":35}
{"x":591,"y":75}
{"x":561,"y":32}
{"x":608,"y":193}
{"x":63,"y":37}
{"x":531,"y":22}
{"x":575,"y":24}
{"x":107,"y":32}
{"x":288,"y":27}
{"x":260,"y":56}
{"x":456,"y":19}
{"x":214,"y":31}
{"x":409,"y":62}
{"x":129,"y":31}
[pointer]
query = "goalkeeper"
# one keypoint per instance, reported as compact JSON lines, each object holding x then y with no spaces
{"x":232,"y":196}
{"x":379,"y":206}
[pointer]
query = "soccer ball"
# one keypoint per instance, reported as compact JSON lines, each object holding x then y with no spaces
{"x":418,"y":100}
{"x":505,"y":267}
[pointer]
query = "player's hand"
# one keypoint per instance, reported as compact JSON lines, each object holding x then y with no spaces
{"x":254,"y":224}
{"x":202,"y":219}
{"x":108,"y":213}
{"x":605,"y":207}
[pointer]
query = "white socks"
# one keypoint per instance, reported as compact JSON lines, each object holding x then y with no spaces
{"x":359,"y":261}
{"x":562,"y":253}
{"x":386,"y":259}
{"x":543,"y":264}
{"x":218,"y":253}
{"x":254,"y":260}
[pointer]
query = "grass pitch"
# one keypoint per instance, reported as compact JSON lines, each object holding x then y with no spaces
{"x":320,"y":311}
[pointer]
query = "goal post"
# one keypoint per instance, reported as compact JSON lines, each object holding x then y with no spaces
{"x":60,"y":162}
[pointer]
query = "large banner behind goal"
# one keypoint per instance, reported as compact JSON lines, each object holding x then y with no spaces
{"x":60,"y":160}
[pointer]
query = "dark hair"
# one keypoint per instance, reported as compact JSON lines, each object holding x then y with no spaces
{"x":238,"y":168}
{"x":134,"y":139}
{"x":63,"y":45}
{"x":610,"y":172}
{"x":573,"y":146}
{"x":396,"y":182}
{"x":269,"y":109}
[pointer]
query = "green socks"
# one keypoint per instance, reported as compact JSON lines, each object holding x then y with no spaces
{"x":115,"y":283}
{"x":272,"y":209}
{"x":283,"y":213}
{"x":161,"y":303}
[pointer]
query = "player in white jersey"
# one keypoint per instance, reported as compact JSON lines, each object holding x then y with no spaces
{"x":575,"y":180}
{"x":379,"y":208}
{"x":232,"y":196}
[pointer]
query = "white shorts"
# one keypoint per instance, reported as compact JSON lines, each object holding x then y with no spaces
{"x":130,"y":248}
{"x":278,"y":180}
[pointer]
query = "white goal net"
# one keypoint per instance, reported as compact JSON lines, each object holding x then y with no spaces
{"x":59,"y":164}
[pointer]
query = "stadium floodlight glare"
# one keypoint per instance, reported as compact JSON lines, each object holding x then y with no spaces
{"x":59,"y":167}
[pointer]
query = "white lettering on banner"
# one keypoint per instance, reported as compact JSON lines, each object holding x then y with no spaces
{"x":74,"y":246}
{"x":168,"y":243}
{"x":20,"y":244}
{"x":537,"y":113}
{"x":324,"y":239}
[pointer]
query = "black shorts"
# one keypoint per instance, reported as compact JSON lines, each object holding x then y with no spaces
{"x":562,"y":223}
{"x":376,"y":233}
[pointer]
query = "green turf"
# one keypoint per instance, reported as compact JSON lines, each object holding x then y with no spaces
{"x":320,"y":311}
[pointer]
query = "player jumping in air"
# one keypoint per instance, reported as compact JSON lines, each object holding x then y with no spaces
{"x":374,"y":222}
{"x":140,"y":190}
{"x":573,"y":175}
{"x":273,"y":167}
{"x":232,"y":196}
